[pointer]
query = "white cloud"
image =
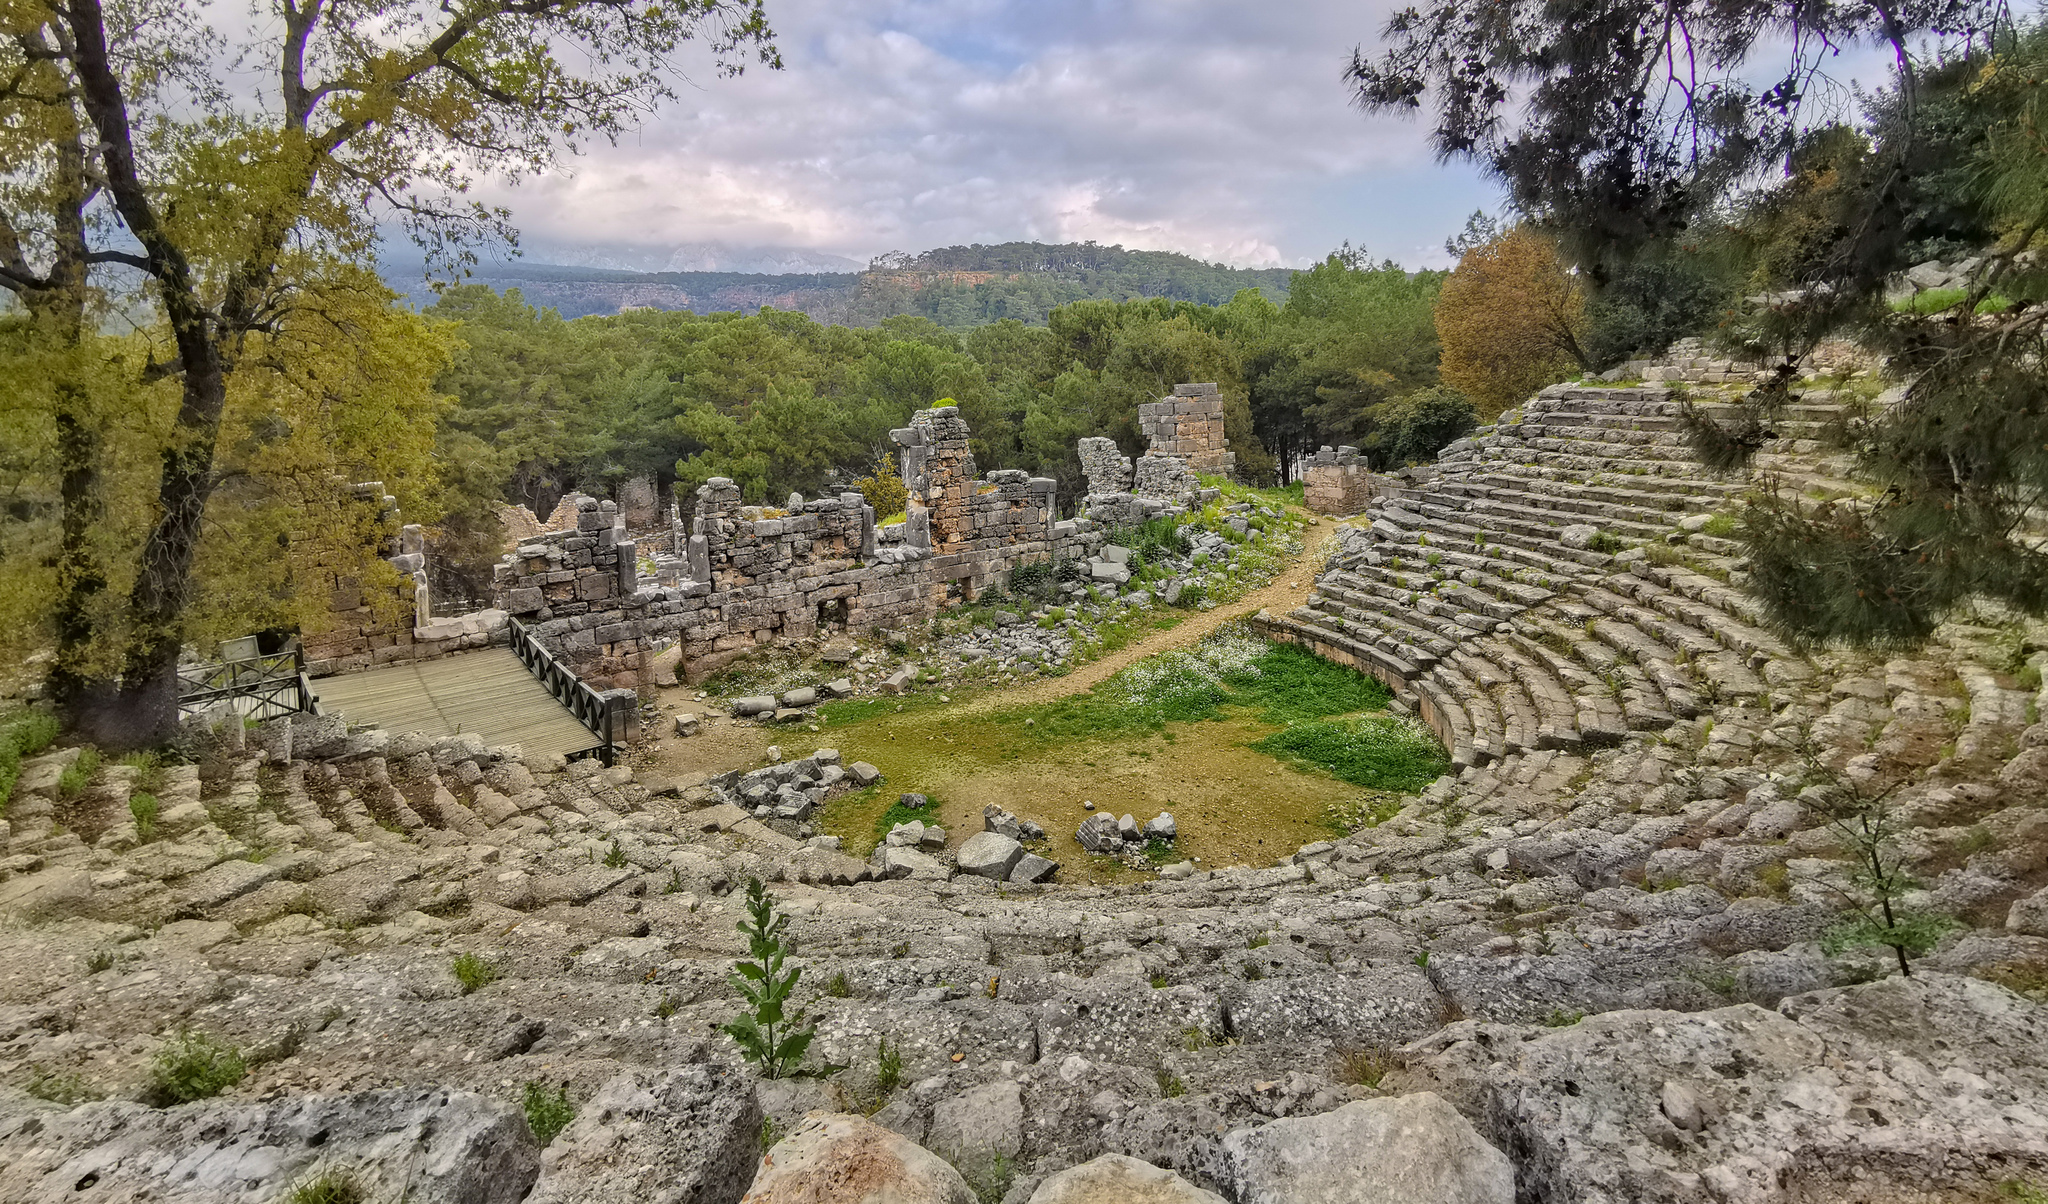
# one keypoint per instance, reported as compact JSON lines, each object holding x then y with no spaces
{"x":1213,"y":127}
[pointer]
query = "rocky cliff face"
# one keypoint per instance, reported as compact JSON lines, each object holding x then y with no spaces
{"x":1590,"y":965}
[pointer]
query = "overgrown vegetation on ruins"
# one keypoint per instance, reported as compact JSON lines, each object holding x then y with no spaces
{"x":1698,"y":169}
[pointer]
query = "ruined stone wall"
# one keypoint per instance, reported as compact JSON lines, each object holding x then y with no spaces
{"x":1185,"y":433}
{"x":1107,"y":469}
{"x":1189,"y":427}
{"x":1337,"y":482}
{"x":639,"y":503}
{"x":740,"y":577}
{"x":370,"y":625}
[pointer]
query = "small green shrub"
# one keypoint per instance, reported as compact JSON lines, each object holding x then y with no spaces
{"x":193,"y":1066}
{"x":1604,"y":541}
{"x":547,"y":1114}
{"x":1170,"y":1086}
{"x":1911,"y":934}
{"x":79,"y":774}
{"x":770,"y":1133}
{"x":144,"y":808}
{"x":888,"y":1065}
{"x":1563,"y":1017}
{"x":615,"y":858}
{"x":23,"y":735}
{"x":474,"y":973}
{"x":837,"y":986}
{"x":667,"y":1006}
{"x":1721,"y":526}
{"x":328,"y":1187}
{"x":674,"y":885}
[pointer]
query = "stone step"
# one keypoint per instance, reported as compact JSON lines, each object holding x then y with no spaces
{"x":1585,"y":507}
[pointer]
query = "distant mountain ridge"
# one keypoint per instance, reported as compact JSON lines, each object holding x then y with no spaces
{"x":955,"y":286}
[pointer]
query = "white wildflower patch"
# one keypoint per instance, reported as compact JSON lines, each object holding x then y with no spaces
{"x":1232,"y":652}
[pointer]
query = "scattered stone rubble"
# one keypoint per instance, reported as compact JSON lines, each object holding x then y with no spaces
{"x":1585,"y":966}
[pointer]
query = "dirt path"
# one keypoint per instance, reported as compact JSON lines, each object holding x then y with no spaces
{"x":1288,"y":589}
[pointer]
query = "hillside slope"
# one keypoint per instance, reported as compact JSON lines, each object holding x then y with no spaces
{"x":955,"y":286}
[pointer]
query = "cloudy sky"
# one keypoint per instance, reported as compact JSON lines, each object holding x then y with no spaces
{"x":1218,"y":128}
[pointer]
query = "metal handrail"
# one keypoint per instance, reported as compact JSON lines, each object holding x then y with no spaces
{"x":590,"y":708}
{"x":274,"y":685}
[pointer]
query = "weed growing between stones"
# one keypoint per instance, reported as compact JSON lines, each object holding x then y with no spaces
{"x":193,"y":1066}
{"x":837,"y":986}
{"x":22,"y":735}
{"x":547,"y":1114}
{"x":474,"y":973}
{"x":667,"y":1006}
{"x":770,"y":1133}
{"x":1170,"y":1086}
{"x":767,"y":1033}
{"x":1381,"y":751}
{"x":615,"y":857}
{"x":78,"y":775}
{"x":144,"y":808}
{"x":61,"y":1087}
{"x":991,"y":1176}
{"x":1368,"y":1066}
{"x":328,"y":1187}
{"x":888,"y":1066}
{"x":674,"y":885}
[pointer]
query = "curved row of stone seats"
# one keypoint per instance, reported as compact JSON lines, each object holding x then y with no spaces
{"x":1463,"y":595}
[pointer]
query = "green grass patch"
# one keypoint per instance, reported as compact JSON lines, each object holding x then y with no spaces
{"x":23,"y":734}
{"x":897,"y":813}
{"x":1380,"y":751}
{"x":1936,"y":300}
{"x":1230,"y":669}
{"x":854,"y":710}
{"x":79,"y":774}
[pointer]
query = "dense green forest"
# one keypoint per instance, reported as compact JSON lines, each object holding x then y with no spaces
{"x":1026,"y":281}
{"x":782,"y":402}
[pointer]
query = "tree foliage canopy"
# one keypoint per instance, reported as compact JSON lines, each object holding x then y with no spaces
{"x":1642,"y":134}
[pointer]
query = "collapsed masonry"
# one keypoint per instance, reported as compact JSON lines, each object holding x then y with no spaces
{"x":374,"y":623}
{"x":1185,"y":436}
{"x":737,"y":577}
{"x":1336,"y":482}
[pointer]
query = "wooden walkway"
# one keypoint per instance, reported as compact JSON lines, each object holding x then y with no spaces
{"x":487,"y":692}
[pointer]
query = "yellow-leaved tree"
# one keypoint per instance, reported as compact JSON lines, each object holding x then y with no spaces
{"x":230,"y":213}
{"x":1510,"y":319}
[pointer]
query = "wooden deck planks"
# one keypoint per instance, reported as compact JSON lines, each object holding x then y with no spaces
{"x":487,"y":692}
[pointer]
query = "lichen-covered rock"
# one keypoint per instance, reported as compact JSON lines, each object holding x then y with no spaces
{"x":1117,"y":1179}
{"x":1378,"y":1151}
{"x":1922,"y":1088}
{"x":833,"y":1158}
{"x":688,"y":1135}
{"x":436,"y":1147}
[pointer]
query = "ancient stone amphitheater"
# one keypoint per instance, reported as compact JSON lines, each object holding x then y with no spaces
{"x":1588,"y":966}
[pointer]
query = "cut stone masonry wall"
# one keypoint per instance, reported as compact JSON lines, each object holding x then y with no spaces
{"x":738,"y":577}
{"x":364,"y":630}
{"x":1185,"y":436}
{"x":1337,"y":482}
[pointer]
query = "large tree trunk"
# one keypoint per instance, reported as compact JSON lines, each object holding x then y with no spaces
{"x":144,"y":711}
